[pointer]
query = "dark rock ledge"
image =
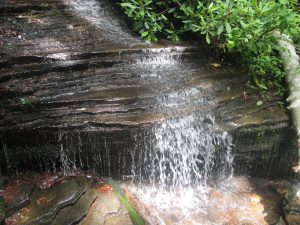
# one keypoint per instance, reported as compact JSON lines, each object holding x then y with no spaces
{"x":73,"y":92}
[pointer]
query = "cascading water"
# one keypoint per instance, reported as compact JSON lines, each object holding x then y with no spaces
{"x":98,"y":14}
{"x":183,"y":152}
{"x":176,"y":159}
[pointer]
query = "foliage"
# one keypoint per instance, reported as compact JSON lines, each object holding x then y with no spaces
{"x":25,"y":101}
{"x":241,"y":27}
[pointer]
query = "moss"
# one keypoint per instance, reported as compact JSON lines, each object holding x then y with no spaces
{"x":260,"y":135}
{"x":134,"y":215}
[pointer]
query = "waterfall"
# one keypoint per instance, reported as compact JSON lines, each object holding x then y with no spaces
{"x":175,"y":161}
{"x":182,"y":151}
{"x":100,"y":15}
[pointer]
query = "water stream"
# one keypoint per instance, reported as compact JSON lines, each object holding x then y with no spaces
{"x":96,"y":13}
{"x":181,"y":157}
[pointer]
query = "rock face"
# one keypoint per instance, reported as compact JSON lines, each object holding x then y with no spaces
{"x":264,"y":139}
{"x":77,"y":90}
{"x":292,"y":203}
{"x":74,"y":200}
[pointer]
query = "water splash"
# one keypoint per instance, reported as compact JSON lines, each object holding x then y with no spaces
{"x":176,"y":161}
{"x":67,"y":165}
{"x":161,"y":57}
{"x":182,"y":157}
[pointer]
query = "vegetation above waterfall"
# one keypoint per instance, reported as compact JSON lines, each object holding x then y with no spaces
{"x":242,"y":28}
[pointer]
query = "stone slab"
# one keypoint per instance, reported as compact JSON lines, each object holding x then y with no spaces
{"x":44,"y":205}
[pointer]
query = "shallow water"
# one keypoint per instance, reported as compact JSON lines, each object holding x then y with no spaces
{"x":251,"y":201}
{"x":245,"y":201}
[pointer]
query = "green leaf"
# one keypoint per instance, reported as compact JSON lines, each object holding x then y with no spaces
{"x":220,"y":29}
{"x":146,"y":25}
{"x":144,"y":34}
{"x":228,"y":27}
{"x":283,"y":25}
{"x":169,"y":31}
{"x":230,"y":44}
{"x":171,"y":10}
{"x":25,"y":101}
{"x":259,"y":103}
{"x":163,"y":16}
{"x":129,"y":5}
{"x":207,"y":38}
{"x":283,"y":2}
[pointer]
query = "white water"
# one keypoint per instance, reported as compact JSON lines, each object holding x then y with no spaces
{"x":160,"y":57}
{"x":180,"y":157}
{"x":179,"y":163}
{"x":98,"y":14}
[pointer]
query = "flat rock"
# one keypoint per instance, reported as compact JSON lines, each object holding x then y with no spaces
{"x":107,"y":209}
{"x":72,"y":214}
{"x":293,"y":219}
{"x":292,"y":203}
{"x":44,"y":205}
{"x":22,"y":198}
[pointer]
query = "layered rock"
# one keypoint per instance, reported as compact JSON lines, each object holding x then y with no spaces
{"x":77,"y":90}
{"x":82,"y":199}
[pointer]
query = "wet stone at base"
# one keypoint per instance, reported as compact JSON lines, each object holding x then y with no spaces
{"x":82,"y":199}
{"x":21,"y":199}
{"x":85,"y":199}
{"x":292,"y":203}
{"x":44,"y":205}
{"x":107,"y":210}
{"x":74,"y":213}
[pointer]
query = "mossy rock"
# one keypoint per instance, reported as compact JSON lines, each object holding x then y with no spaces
{"x":134,"y":215}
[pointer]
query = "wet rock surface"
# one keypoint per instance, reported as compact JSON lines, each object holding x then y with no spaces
{"x":82,"y":199}
{"x":75,"y":213}
{"x":21,"y":200}
{"x":263,"y":136}
{"x":292,"y":202}
{"x":107,"y":209}
{"x":44,"y":205}
{"x":250,"y":201}
{"x":76,"y":86}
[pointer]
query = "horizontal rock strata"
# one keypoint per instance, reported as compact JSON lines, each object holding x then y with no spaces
{"x":77,"y":89}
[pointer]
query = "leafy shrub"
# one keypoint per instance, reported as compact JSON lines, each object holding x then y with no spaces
{"x":242,"y":27}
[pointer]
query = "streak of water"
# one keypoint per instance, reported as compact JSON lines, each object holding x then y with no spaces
{"x":180,"y":156}
{"x":161,"y":57}
{"x":98,"y":13}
